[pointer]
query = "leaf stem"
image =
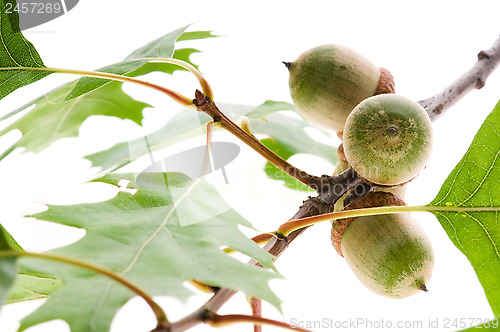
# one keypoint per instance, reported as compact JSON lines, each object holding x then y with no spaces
{"x":292,"y":225}
{"x":184,"y":101}
{"x":259,"y":239}
{"x":161,"y":317}
{"x":207,"y":89}
{"x":216,"y":320}
{"x":207,"y":158}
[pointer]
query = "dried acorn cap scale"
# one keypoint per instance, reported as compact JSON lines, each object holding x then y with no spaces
{"x":390,"y":254}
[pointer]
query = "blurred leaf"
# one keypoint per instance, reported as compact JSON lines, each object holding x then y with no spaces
{"x":191,"y":35}
{"x":133,"y":64}
{"x":275,"y":173}
{"x":186,"y":124}
{"x":63,"y":110}
{"x":32,"y":287}
{"x":288,"y":138}
{"x":167,"y":68}
{"x":16,"y":51}
{"x":165,"y":234}
{"x":53,"y":118}
{"x":475,"y":182}
{"x":287,"y":135}
{"x":8,"y":269}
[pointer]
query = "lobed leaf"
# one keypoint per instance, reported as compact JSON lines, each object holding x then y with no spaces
{"x":63,"y":110}
{"x":16,"y":51}
{"x":475,"y":182}
{"x":26,"y":286}
{"x":133,"y":64}
{"x":287,"y":137}
{"x":8,"y":269}
{"x":165,"y":234}
{"x":54,"y":118}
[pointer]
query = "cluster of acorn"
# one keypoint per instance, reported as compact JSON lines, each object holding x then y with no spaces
{"x":387,"y":141}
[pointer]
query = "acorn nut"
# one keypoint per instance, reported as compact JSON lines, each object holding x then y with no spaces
{"x":328,"y":81}
{"x":388,"y":139}
{"x":390,"y":254}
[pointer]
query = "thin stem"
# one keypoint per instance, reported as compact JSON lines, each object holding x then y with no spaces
{"x":184,"y":101}
{"x":290,"y":226}
{"x":161,"y":317}
{"x":256,"y":306}
{"x":320,"y":205}
{"x":207,"y":89}
{"x":259,"y":239}
{"x":216,"y":320}
{"x":206,"y":158}
{"x":202,"y":287}
{"x":206,"y":105}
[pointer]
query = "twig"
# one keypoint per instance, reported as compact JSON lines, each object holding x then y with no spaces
{"x":474,"y":78}
{"x":206,"y":105}
{"x":330,"y":189}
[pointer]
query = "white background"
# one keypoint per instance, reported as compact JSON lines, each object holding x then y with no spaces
{"x":426,"y":45}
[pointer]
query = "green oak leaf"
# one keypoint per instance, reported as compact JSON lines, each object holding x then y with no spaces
{"x":16,"y":51}
{"x":162,"y":47}
{"x":192,"y":35}
{"x":286,"y":133}
{"x":27,"y":286}
{"x":54,"y":118}
{"x":475,"y":182}
{"x":8,"y":269}
{"x":37,"y":137}
{"x":288,"y":138}
{"x":170,"y":231}
{"x":32,"y":287}
{"x":275,"y":173}
{"x":183,"y":126}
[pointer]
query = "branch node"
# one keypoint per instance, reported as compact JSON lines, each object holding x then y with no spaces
{"x":483,"y":55}
{"x":480,"y":83}
{"x":200,"y":98}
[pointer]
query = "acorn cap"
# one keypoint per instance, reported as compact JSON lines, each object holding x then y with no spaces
{"x":371,"y":199}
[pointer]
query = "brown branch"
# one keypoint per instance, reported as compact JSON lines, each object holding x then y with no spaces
{"x":205,"y":105}
{"x":330,"y":188}
{"x":474,"y":78}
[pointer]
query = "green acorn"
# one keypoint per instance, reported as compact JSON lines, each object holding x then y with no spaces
{"x":388,"y":139}
{"x":390,"y":253}
{"x":328,"y":81}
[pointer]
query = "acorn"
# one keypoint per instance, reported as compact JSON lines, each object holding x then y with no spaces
{"x":390,"y":254}
{"x":388,"y":139}
{"x":328,"y":81}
